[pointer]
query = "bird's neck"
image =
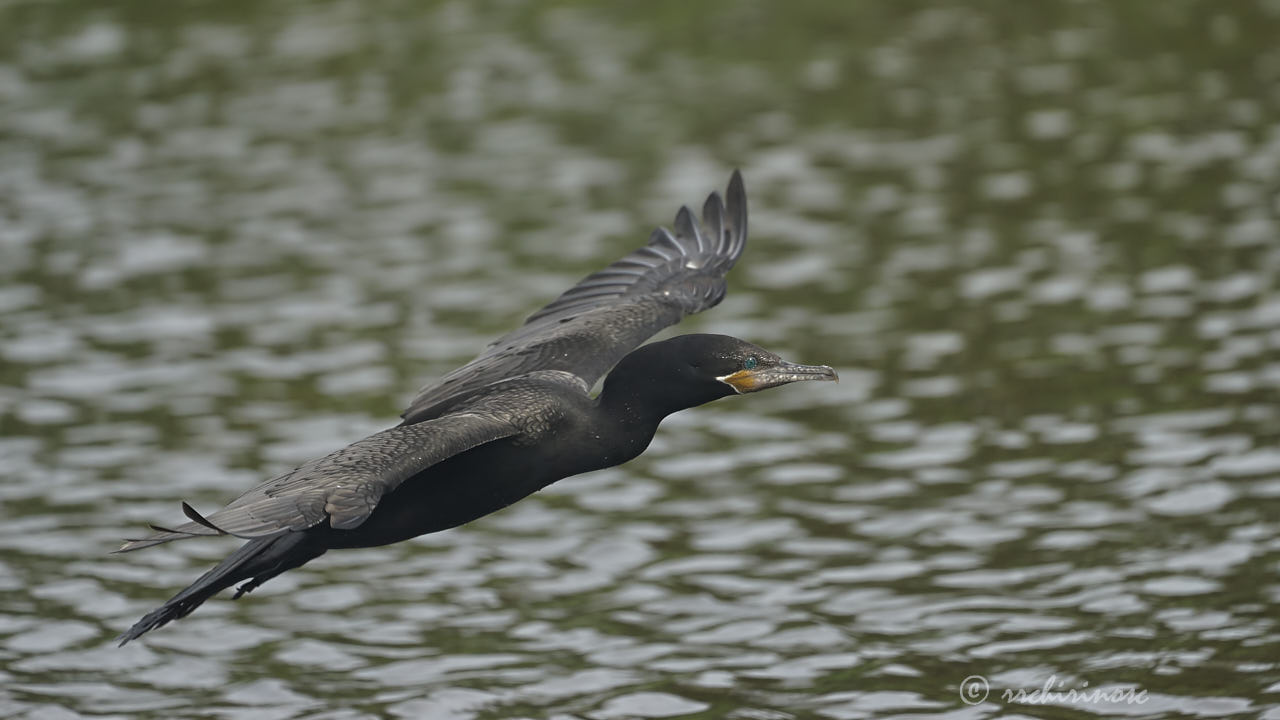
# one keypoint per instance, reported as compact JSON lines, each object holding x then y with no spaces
{"x":628,"y":417}
{"x":630,"y":411}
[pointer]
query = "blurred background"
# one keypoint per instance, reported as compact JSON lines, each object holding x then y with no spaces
{"x":1038,"y":240}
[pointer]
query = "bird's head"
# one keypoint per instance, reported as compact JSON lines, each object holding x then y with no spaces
{"x":689,"y":370}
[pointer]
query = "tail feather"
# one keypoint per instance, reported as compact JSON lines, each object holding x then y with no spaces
{"x":257,"y":561}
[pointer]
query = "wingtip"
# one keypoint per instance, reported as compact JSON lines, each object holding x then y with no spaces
{"x":687,"y":229}
{"x":131,"y":544}
{"x":197,"y":518}
{"x":713,"y":222}
{"x":736,"y":197}
{"x":737,"y":192}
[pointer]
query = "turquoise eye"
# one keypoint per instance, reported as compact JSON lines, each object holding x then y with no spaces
{"x":750,"y":363}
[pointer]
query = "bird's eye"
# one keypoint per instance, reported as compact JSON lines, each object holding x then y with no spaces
{"x":750,"y":363}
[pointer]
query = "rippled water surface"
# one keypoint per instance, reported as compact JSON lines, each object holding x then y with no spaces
{"x":1038,"y":240}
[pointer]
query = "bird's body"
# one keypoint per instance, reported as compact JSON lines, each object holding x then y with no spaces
{"x":561,"y":433}
{"x":512,"y":421}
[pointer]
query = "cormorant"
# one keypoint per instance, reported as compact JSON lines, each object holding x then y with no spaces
{"x":512,"y":421}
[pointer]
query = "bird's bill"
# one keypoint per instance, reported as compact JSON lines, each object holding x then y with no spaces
{"x":745,"y":381}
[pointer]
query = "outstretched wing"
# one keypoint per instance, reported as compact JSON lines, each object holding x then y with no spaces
{"x":343,"y":486}
{"x":591,"y":326}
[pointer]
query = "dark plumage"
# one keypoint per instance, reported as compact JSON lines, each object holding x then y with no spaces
{"x":512,"y":421}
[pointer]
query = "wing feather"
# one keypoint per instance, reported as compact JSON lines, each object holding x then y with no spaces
{"x":607,"y":314}
{"x":342,"y":487}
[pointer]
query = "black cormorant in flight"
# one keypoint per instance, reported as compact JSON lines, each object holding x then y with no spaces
{"x":512,"y":421}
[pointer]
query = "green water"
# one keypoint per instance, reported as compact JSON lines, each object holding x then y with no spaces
{"x":1038,"y":240}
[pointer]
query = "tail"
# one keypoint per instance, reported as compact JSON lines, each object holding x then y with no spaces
{"x":260,"y":559}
